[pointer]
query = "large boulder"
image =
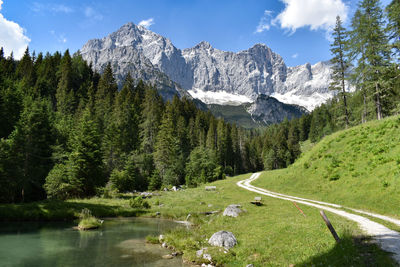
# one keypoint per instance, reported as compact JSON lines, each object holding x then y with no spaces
{"x":232,"y":210}
{"x":223,"y":239}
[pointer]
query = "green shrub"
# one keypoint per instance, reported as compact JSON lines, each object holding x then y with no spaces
{"x":60,"y":184}
{"x":306,"y":165}
{"x":152,"y":239}
{"x":139,"y":203}
{"x":334,"y":177}
{"x":87,"y":220}
{"x":108,"y":191}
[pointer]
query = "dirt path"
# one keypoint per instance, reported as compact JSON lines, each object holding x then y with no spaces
{"x":387,"y":239}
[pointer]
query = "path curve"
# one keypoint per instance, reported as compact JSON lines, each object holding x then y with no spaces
{"x":387,"y":239}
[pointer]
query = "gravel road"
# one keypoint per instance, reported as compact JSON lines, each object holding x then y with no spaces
{"x":387,"y":239}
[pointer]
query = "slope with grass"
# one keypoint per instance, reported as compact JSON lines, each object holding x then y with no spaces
{"x":274,"y":234}
{"x":357,"y":168}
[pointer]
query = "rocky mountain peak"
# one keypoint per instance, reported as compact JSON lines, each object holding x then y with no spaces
{"x":203,"y":69}
{"x":203,"y":45}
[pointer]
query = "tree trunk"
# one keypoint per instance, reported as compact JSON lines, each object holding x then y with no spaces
{"x":364,"y":114}
{"x":378,"y":102}
{"x":345,"y":100}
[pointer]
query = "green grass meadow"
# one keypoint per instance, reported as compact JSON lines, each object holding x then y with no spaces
{"x":274,"y":234}
{"x":357,"y":168}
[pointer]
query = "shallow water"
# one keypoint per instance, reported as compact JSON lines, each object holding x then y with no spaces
{"x":119,"y":242}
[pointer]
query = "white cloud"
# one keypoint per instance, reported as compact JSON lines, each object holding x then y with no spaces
{"x":61,"y":8}
{"x":53,"y":8}
{"x":316,"y":14}
{"x":295,"y":55}
{"x":92,"y":14}
{"x":265,"y":22}
{"x":12,"y":37}
{"x":59,"y":37}
{"x":147,"y":23}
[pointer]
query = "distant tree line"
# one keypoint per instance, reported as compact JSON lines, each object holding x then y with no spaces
{"x":67,"y":131}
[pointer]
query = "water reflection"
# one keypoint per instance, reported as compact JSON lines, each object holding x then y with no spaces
{"x":120,"y":242}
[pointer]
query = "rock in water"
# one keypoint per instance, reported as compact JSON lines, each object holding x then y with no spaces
{"x":167,"y":257}
{"x":223,"y":239}
{"x":232,"y":210}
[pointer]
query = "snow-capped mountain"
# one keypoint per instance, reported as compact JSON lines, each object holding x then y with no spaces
{"x":207,"y":73}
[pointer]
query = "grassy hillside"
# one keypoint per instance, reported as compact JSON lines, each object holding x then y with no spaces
{"x":358,"y":168}
{"x":274,"y":234}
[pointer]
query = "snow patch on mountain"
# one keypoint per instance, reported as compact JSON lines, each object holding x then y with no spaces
{"x":310,"y":102}
{"x":219,"y":97}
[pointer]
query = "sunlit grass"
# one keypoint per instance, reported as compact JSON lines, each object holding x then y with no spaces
{"x":358,"y":168}
{"x":274,"y":234}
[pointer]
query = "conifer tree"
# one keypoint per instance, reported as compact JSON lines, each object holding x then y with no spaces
{"x":340,"y":64}
{"x":167,"y":153}
{"x":31,"y":143}
{"x":211,"y":136}
{"x":152,"y":112}
{"x":369,"y":45}
{"x":25,"y":71}
{"x":105,"y":95}
{"x":86,"y":157}
{"x":65,"y":94}
{"x":393,"y":26}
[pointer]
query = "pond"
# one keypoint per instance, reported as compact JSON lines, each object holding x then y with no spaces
{"x":119,"y":242}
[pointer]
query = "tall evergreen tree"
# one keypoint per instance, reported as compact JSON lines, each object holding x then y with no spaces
{"x":393,"y":26}
{"x":25,"y":71}
{"x":105,"y":95}
{"x":86,"y":158}
{"x":369,"y":46}
{"x":167,"y":153}
{"x":65,"y":93}
{"x":31,"y":142}
{"x":152,"y":112}
{"x":340,"y":64}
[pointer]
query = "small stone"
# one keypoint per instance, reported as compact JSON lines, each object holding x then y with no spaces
{"x":164,"y":245}
{"x":207,"y":257}
{"x":207,"y":265}
{"x":232,"y":210}
{"x":168,"y":256}
{"x":161,"y":238}
{"x":165,"y":189}
{"x":174,"y":254}
{"x":210,"y":205}
{"x":158,"y":213}
{"x":200,"y":252}
{"x":249,"y":265}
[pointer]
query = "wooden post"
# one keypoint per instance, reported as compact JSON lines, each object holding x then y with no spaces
{"x":295,"y":204}
{"x":330,"y":227}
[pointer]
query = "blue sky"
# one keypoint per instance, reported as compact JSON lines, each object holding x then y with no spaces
{"x":298,"y":30}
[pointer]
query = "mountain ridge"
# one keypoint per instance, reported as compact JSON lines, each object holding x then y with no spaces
{"x":234,"y":77}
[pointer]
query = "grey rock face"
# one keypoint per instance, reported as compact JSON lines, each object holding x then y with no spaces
{"x":127,"y":50}
{"x":223,"y":239}
{"x":250,"y":73}
{"x":268,"y":110}
{"x":232,"y":210}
